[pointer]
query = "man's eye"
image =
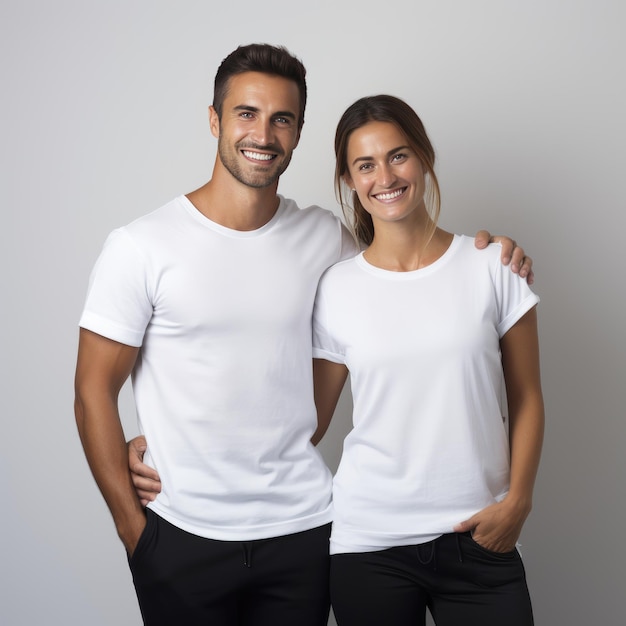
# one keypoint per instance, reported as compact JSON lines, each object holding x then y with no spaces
{"x":282,"y":120}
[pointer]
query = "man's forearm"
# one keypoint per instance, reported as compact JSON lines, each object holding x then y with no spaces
{"x":105,"y":448}
{"x":102,"y":368}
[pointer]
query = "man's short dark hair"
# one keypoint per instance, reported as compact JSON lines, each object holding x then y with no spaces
{"x":264,"y":58}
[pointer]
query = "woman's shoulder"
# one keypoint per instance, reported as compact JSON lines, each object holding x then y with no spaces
{"x":467,"y":248}
{"x":340,"y":272}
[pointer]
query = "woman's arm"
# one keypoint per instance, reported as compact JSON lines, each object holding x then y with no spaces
{"x":328,"y":381}
{"x":520,"y":360}
{"x":498,"y":526}
{"x":145,"y":479}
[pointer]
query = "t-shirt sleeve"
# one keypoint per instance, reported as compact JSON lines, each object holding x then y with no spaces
{"x":118,"y":305}
{"x":515,"y":297}
{"x":324,"y":345}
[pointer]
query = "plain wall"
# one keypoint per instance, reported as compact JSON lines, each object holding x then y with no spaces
{"x":104,"y":119}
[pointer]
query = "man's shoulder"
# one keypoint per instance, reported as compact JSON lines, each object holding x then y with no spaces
{"x":311,"y":212}
{"x":150,"y":231}
{"x":158,"y":217}
{"x":321,"y":227}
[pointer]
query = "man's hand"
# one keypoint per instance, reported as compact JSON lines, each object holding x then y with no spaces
{"x":145,"y":479}
{"x":511,"y":253}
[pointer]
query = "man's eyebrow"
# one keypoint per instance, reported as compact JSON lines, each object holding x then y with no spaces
{"x":389,"y":154}
{"x":247,"y":107}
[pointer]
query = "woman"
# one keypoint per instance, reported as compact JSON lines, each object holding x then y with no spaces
{"x":434,"y":484}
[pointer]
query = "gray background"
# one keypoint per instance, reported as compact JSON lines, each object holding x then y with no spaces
{"x":104,"y":119}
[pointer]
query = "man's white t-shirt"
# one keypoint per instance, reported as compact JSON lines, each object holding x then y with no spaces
{"x":429,"y":446}
{"x":223,"y":382}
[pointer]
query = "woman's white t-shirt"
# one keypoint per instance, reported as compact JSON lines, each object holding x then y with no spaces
{"x":429,"y":447}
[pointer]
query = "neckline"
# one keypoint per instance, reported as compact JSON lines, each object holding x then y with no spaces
{"x":231,"y":232}
{"x":413,"y":274}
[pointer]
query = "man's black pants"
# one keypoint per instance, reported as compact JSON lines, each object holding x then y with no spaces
{"x":182,"y":579}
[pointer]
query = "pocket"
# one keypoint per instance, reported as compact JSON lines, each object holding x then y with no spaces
{"x":510,"y":554}
{"x":487,"y":568}
{"x":145,"y":539}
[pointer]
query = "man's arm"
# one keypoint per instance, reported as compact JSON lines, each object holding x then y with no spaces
{"x":511,"y":253}
{"x":102,"y":368}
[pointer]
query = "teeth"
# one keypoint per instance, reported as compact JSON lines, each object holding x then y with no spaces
{"x":257,"y":156}
{"x":389,"y":196}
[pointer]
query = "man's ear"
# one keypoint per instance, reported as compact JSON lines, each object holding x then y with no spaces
{"x":298,"y":138}
{"x":214,"y":122}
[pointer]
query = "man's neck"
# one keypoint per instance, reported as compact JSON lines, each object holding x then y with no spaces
{"x":231,"y":204}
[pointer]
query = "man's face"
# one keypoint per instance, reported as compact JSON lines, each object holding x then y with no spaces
{"x":258,"y":130}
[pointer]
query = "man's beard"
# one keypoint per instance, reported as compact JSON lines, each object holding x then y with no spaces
{"x":259,"y":179}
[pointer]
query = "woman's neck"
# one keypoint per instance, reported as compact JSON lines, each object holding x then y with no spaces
{"x":399,"y":250}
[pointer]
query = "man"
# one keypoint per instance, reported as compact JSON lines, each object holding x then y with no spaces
{"x":207,"y":303}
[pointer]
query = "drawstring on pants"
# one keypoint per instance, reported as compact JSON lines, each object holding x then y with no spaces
{"x":427,"y":552}
{"x":246,"y":548}
{"x":432,"y":556}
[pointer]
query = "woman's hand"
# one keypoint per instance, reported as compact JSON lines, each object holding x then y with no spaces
{"x":497,"y":527}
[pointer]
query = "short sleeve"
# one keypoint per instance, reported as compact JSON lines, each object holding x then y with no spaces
{"x":515,"y":297}
{"x":118,"y":305}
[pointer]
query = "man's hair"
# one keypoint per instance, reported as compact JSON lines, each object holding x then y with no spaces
{"x":264,"y":58}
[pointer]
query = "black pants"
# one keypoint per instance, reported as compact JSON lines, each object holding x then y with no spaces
{"x":185,"y":580}
{"x":462,"y":584}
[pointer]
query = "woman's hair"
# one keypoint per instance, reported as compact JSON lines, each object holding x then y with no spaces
{"x":390,"y":109}
{"x":264,"y":58}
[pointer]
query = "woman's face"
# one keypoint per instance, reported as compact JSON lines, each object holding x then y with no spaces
{"x":385,"y":172}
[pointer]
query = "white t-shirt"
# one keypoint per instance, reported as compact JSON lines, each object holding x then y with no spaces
{"x":223,"y":382}
{"x":429,"y":446}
